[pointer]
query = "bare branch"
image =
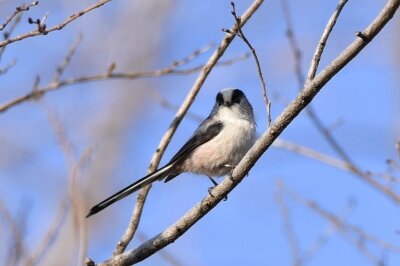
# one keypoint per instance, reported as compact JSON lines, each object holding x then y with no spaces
{"x":18,"y":10}
{"x":11,"y":29}
{"x":173,"y":107}
{"x":67,"y":59}
{"x":110,"y":74}
{"x":310,"y":153}
{"x":301,"y":258}
{"x":238,"y":32}
{"x":325,"y":235}
{"x":343,"y":165}
{"x":174,"y":125}
{"x":355,"y":232}
{"x":41,"y":30}
{"x":7,"y":67}
{"x":17,"y":243}
{"x":173,"y":232}
{"x":51,"y":236}
{"x":322,"y":42}
{"x":287,"y":225}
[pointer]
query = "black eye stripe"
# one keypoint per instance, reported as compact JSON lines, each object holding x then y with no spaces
{"x":237,"y":96}
{"x":219,"y":99}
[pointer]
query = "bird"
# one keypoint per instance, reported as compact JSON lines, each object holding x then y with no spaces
{"x":214,"y":149}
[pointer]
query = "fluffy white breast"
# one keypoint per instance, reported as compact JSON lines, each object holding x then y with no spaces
{"x":226,"y":149}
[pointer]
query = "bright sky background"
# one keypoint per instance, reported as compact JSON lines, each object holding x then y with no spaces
{"x":248,"y":228}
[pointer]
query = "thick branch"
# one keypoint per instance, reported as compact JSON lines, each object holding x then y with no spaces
{"x":285,"y":118}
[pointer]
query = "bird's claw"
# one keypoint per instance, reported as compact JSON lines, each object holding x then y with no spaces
{"x":209,"y":191}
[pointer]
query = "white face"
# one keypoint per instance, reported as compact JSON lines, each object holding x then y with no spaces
{"x":233,"y":104}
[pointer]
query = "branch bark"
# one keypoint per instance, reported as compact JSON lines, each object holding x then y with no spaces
{"x":310,"y":90}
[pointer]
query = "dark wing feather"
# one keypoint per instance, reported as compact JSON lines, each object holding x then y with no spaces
{"x":204,"y":133}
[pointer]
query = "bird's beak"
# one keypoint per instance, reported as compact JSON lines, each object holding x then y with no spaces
{"x":227,"y":104}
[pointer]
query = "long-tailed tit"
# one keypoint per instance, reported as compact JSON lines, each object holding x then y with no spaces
{"x":215,"y":148}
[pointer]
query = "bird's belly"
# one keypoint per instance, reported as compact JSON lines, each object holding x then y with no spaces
{"x":218,"y":156}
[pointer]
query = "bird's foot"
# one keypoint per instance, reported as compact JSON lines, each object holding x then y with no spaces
{"x":211,"y":188}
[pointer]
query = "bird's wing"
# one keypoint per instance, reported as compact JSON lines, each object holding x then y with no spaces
{"x":207,"y":130}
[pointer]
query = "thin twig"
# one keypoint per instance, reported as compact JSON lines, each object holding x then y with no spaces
{"x":300,"y":258}
{"x":340,"y":164}
{"x":51,"y":235}
{"x":17,"y":250}
{"x":287,"y":225}
{"x":67,"y":59}
{"x":322,"y":42}
{"x":7,"y":67}
{"x":43,"y":31}
{"x":173,"y":232}
{"x":165,"y":103}
{"x":11,"y":29}
{"x":355,"y":232}
{"x":238,"y":32}
{"x":323,"y":238}
{"x":18,"y":245}
{"x":110,"y":74}
{"x":18,"y":10}
{"x":313,"y":154}
{"x":220,"y":50}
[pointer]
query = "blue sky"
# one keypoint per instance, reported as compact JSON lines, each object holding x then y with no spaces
{"x":246,"y":229}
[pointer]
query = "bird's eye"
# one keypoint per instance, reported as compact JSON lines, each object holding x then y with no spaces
{"x":237,"y":96}
{"x":219,"y":99}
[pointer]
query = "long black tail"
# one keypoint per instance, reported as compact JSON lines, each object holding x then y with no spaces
{"x":148,"y":179}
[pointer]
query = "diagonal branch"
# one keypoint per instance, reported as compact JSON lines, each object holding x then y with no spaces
{"x":173,"y":232}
